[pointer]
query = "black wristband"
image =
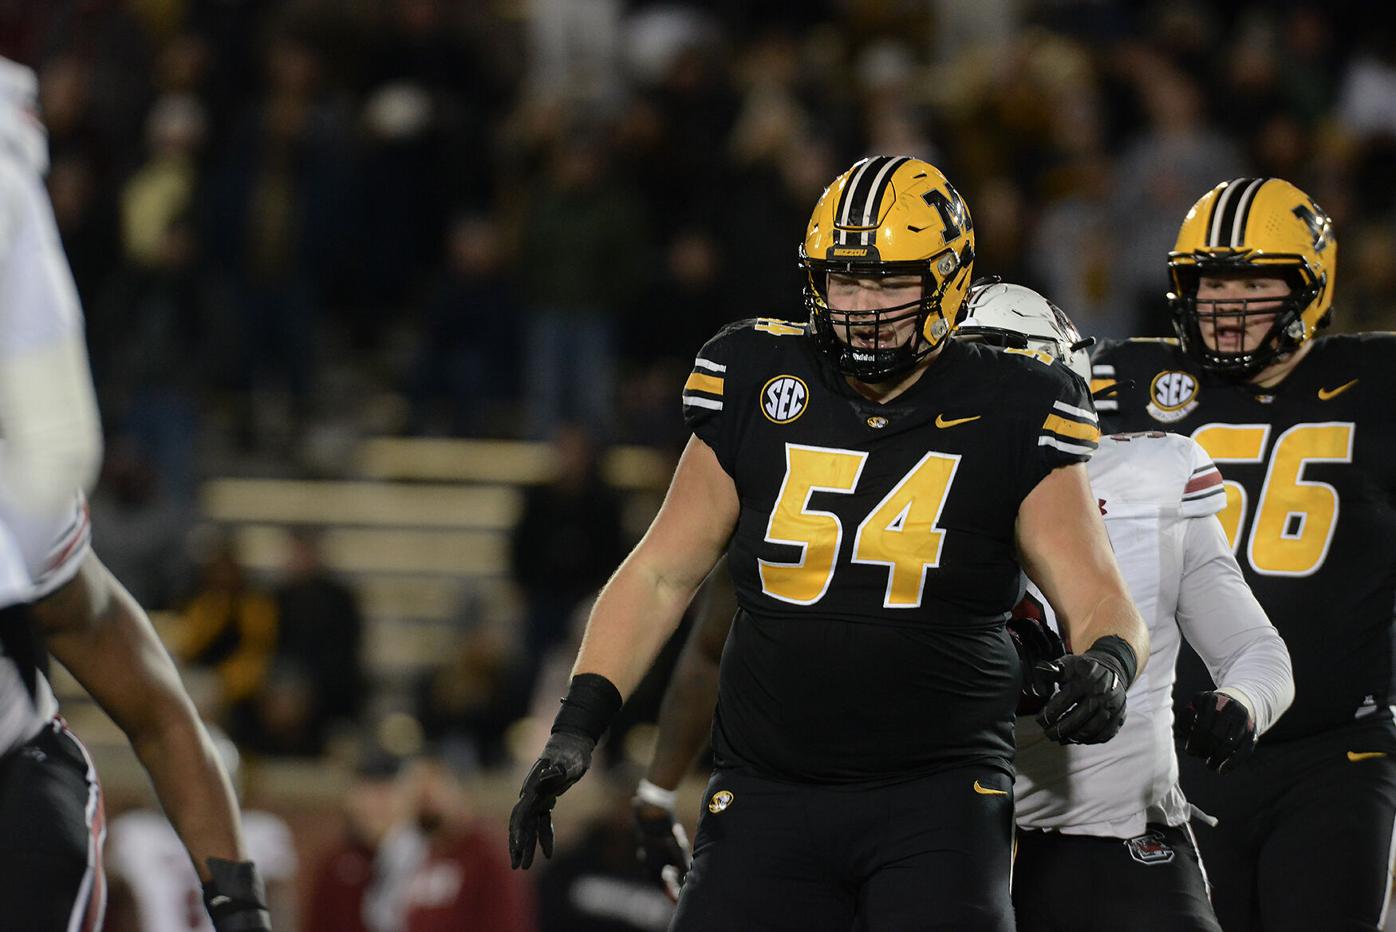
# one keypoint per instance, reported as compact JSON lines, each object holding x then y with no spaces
{"x":1119,"y":650}
{"x":235,"y":896}
{"x":590,"y":704}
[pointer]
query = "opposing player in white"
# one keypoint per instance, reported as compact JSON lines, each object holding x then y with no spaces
{"x":56,"y":597}
{"x":1103,"y":840}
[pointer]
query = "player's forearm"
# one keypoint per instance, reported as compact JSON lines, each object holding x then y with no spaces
{"x":1113,"y":614}
{"x":1226,"y":625}
{"x":685,"y":717}
{"x":99,"y":633}
{"x":192,"y":788}
{"x":635,"y":614}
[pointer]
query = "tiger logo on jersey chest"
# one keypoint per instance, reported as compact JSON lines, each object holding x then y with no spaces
{"x":784,"y":398}
{"x":1172,"y":395}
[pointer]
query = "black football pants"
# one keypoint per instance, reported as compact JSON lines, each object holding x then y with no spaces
{"x":1304,"y":837}
{"x":51,"y":831}
{"x":928,"y":855}
{"x":1083,"y":883}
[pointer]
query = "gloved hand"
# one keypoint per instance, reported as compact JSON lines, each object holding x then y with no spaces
{"x":565,"y":758}
{"x":235,"y":897}
{"x":662,"y":845}
{"x":1036,"y":643}
{"x":1089,"y":706}
{"x":1217,"y":728}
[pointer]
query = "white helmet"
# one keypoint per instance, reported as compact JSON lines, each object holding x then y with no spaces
{"x":1011,"y":315}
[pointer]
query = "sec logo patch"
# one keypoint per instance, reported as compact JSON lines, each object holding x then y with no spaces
{"x":784,"y":398}
{"x":720,"y":801}
{"x":1172,"y":395}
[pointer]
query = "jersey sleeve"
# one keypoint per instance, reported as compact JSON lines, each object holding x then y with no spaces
{"x":706,"y":396}
{"x":1068,"y":430}
{"x":1225,"y":623}
{"x":1204,"y":492}
{"x":1105,"y":384}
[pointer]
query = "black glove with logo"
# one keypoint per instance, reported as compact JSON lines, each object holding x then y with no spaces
{"x":587,"y":709}
{"x":1217,"y":728}
{"x":235,"y":897}
{"x":1089,"y":706}
{"x":1037,"y":644}
{"x":662,"y":846}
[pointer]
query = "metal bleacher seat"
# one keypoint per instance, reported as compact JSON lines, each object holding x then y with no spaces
{"x":419,"y":526}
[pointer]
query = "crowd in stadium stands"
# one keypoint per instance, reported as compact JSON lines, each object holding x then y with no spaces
{"x":296,"y":222}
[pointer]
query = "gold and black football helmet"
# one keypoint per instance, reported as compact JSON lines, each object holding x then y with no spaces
{"x":888,"y":216}
{"x":1263,"y":226}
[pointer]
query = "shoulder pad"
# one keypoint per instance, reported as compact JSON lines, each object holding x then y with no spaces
{"x":1156,"y":469}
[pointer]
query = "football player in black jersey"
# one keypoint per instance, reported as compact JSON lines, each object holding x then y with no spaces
{"x":1304,"y":430}
{"x":877,"y":488}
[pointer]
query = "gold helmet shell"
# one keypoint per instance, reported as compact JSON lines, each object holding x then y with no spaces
{"x":1262,"y":226}
{"x":888,"y":216}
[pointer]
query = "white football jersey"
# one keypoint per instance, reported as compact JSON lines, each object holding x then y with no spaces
{"x":1158,"y":493}
{"x":48,"y":409}
{"x":60,"y":546}
{"x":145,"y":851}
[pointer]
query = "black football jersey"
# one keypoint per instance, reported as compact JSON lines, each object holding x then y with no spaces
{"x":1310,"y":470}
{"x":874,"y":556}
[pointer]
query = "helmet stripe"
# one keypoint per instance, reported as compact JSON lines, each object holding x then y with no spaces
{"x":1243,"y":211}
{"x":847,"y":199}
{"x":861,"y":185}
{"x":879,"y":186}
{"x":1224,"y":212}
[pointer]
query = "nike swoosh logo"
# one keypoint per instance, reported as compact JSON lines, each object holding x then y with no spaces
{"x":1356,"y":756}
{"x":1326,"y":393}
{"x":990,"y":791}
{"x":942,"y":422}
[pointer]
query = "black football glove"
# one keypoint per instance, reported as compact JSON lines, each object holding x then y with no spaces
{"x":565,"y":758}
{"x":1037,"y":644}
{"x":235,"y":897}
{"x":662,"y":846}
{"x":1218,"y":729}
{"x":1089,"y":706}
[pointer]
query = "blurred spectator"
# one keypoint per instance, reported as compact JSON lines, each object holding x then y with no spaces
{"x":467,"y":704}
{"x":320,"y":638}
{"x":162,"y":190}
{"x":149,"y":329}
{"x":148,"y":857}
{"x":596,"y":884}
{"x":340,"y":881}
{"x":230,"y":626}
{"x":566,"y":542}
{"x":468,"y":347}
{"x":275,"y":224}
{"x":583,"y":253}
{"x":663,"y":345}
{"x":280,"y":718}
{"x":463,"y":881}
{"x":141,"y":531}
{"x":1073,"y":253}
{"x":1176,"y":155}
